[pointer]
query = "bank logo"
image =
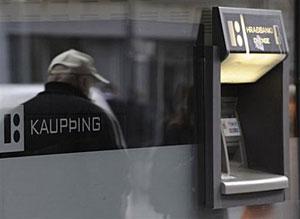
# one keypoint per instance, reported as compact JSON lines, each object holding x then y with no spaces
{"x":235,"y":33}
{"x":64,"y":126}
{"x":12,"y":130}
{"x":258,"y":42}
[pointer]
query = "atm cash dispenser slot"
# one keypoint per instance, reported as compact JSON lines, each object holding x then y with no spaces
{"x":236,"y":176}
{"x":244,"y":93}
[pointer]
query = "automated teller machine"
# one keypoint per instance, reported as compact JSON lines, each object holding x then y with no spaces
{"x":242,"y":94}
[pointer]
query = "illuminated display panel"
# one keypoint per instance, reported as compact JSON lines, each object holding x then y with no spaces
{"x":255,"y":42}
{"x":247,"y":68}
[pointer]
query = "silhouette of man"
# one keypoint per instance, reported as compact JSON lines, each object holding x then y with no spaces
{"x":62,"y":118}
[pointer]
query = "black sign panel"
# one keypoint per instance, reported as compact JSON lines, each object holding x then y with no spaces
{"x":25,"y":134}
{"x":253,"y":30}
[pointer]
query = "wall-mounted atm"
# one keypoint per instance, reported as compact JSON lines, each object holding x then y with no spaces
{"x":242,"y":94}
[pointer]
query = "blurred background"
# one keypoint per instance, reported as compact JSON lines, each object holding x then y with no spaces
{"x":143,"y":47}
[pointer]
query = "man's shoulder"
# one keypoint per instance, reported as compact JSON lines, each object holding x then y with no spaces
{"x":52,"y":102}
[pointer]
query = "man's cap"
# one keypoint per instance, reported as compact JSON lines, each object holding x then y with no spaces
{"x":75,"y":62}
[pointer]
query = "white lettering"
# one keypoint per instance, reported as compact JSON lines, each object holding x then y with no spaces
{"x":96,"y":124}
{"x":72,"y":127}
{"x":86,"y":124}
{"x":33,"y":127}
{"x":63,"y":122}
{"x":78,"y":125}
{"x":63,"y":125}
{"x":44,"y":127}
{"x":53,"y":131}
{"x":259,"y":30}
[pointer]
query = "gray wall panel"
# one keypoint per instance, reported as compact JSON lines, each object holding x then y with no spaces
{"x":135,"y":184}
{"x":147,"y":182}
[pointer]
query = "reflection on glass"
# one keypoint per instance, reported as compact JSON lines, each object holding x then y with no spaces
{"x":179,"y":127}
{"x":150,"y":96}
{"x":293,"y":110}
{"x":265,"y":211}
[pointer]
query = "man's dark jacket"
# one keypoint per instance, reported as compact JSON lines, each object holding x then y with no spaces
{"x":62,"y":119}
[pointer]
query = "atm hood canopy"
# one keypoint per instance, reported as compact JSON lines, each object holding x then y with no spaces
{"x":253,"y":42}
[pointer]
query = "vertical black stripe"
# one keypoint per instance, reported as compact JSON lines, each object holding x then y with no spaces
{"x":7,"y":129}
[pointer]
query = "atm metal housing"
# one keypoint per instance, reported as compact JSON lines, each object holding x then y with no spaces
{"x":263,"y":113}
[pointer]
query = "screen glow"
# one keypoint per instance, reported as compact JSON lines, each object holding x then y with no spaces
{"x":248,"y":68}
